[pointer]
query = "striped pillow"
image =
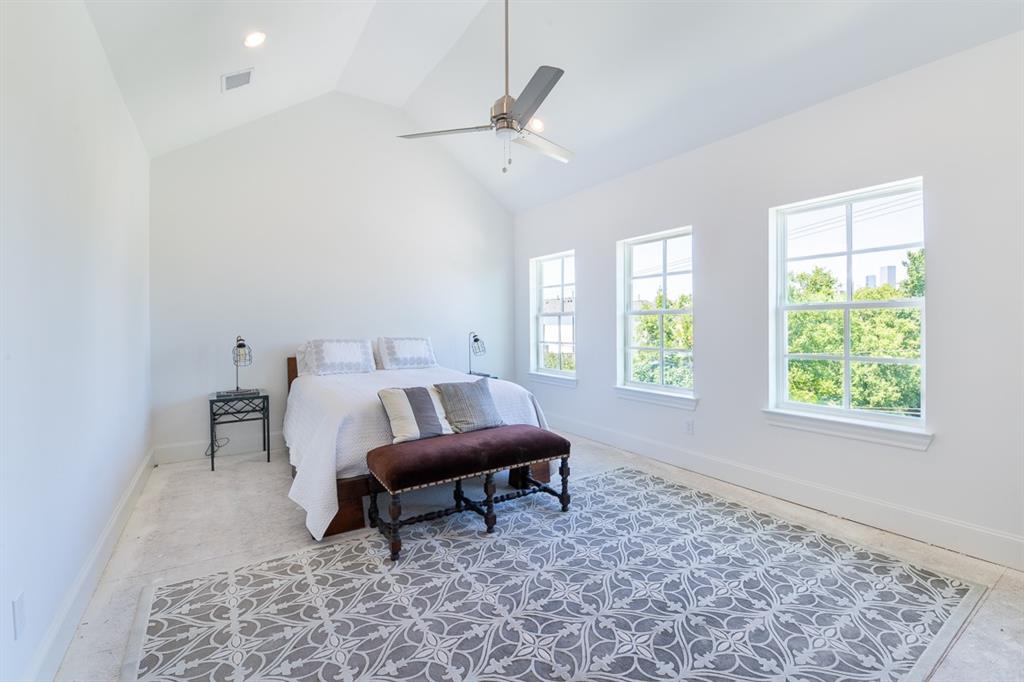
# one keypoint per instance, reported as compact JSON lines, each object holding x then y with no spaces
{"x":415,"y":413}
{"x":469,"y":405}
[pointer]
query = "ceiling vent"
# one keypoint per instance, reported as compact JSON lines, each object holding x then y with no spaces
{"x":232,"y":81}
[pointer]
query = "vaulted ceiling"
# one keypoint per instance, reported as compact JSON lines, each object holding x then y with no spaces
{"x":644,"y":80}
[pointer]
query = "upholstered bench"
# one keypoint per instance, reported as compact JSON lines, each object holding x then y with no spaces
{"x":415,"y":464}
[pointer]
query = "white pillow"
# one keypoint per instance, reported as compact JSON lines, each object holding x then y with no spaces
{"x":335,"y":356}
{"x":406,"y":352}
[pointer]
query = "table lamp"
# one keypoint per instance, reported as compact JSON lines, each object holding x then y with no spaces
{"x":476,"y":347}
{"x":241,"y":355}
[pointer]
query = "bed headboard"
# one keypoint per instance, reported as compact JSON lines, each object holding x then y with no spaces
{"x":293,"y":370}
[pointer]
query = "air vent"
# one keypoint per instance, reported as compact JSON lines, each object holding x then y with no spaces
{"x":231,"y":81}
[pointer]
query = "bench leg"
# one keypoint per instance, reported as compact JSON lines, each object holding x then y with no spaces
{"x":458,"y":495}
{"x":489,"y":518}
{"x":563,"y":470}
{"x":374,"y":511}
{"x":396,"y":514}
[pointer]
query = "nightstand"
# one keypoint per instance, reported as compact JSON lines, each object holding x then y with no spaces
{"x":235,"y":409}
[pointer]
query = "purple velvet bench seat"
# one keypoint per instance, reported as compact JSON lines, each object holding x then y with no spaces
{"x":422,"y":463}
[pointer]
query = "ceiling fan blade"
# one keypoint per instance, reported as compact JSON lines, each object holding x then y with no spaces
{"x":544,"y":146}
{"x":451,"y":131}
{"x":534,"y":93}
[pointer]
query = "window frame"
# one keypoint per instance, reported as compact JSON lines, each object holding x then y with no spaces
{"x":537,"y":316}
{"x":780,"y":306}
{"x":625,"y":313}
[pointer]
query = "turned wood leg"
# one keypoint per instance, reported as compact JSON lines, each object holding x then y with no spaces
{"x":396,"y":515}
{"x":458,"y":495}
{"x":374,"y":511}
{"x":489,"y":518}
{"x":563,"y":470}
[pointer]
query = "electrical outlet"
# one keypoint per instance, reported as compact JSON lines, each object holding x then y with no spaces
{"x":18,"y":616}
{"x":689,"y":427}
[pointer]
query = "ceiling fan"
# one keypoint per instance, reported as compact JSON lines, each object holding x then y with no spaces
{"x":510,"y":116}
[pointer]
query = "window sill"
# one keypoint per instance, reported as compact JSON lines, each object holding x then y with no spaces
{"x":872,"y":432}
{"x":553,"y":379}
{"x":643,"y":395}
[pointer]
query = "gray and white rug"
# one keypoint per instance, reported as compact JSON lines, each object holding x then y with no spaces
{"x":643,"y":580}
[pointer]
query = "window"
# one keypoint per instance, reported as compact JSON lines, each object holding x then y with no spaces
{"x":554,"y":321}
{"x":657,"y":311}
{"x":849,"y":290}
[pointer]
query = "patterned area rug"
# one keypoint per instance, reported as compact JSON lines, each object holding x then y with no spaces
{"x":643,"y":580}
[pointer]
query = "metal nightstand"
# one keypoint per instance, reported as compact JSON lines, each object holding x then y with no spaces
{"x":232,"y":410}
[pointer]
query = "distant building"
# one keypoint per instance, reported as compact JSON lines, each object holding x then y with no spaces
{"x":887,"y":274}
{"x":870,"y":281}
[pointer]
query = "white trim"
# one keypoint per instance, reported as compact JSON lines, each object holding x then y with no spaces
{"x":990,"y":544}
{"x":845,"y":427}
{"x":681,"y":401}
{"x":55,"y":641}
{"x":241,"y":443}
{"x":553,"y":379}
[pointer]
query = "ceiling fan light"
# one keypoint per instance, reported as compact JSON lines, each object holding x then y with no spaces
{"x":255,"y":39}
{"x":536,"y":125}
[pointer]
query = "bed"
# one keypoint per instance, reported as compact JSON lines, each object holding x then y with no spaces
{"x":332,"y":421}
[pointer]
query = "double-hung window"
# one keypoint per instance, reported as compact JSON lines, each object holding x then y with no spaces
{"x":553,"y":303}
{"x":657,"y":311}
{"x":849,"y":292}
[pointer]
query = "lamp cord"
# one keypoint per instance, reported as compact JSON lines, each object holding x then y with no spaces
{"x":220,"y":442}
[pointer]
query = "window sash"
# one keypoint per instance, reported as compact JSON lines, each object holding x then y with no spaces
{"x":540,"y":315}
{"x":847,"y":358}
{"x":630,"y":312}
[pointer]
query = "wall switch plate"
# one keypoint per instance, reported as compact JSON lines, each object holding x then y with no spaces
{"x":18,"y":616}
{"x":689,"y":427}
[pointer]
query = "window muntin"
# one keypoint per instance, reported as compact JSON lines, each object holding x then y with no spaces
{"x":850,"y":304}
{"x":554,"y":319}
{"x":658,"y":311}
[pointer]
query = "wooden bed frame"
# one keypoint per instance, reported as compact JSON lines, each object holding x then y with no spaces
{"x":353,"y":489}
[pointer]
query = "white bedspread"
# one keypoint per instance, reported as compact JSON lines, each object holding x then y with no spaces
{"x":331,"y":422}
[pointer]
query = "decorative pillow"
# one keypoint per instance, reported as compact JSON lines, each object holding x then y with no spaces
{"x":335,"y":356}
{"x":469,"y":405}
{"x":405,"y":352}
{"x":415,"y":413}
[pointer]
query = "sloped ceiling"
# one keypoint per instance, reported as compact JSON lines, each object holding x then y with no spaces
{"x":643,"y":81}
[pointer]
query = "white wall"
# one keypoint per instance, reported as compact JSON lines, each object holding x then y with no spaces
{"x":314,"y":222}
{"x":75,"y":432}
{"x":956,"y":122}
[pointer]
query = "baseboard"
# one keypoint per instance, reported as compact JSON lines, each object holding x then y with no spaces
{"x":241,"y":443}
{"x":62,"y":628}
{"x":960,"y":536}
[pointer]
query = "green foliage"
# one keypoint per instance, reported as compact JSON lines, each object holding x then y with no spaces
{"x":817,"y":286}
{"x":913,"y":285}
{"x":874,"y":332}
{"x":568,"y":361}
{"x":646,"y":331}
{"x":886,"y":388}
{"x":817,"y":382}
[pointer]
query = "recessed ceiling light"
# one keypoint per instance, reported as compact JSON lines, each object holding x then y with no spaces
{"x":255,"y":39}
{"x":536,"y":125}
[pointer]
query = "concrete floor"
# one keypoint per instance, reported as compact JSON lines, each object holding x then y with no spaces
{"x":190,"y":522}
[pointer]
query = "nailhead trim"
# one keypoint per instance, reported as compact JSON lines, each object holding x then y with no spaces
{"x":461,"y":478}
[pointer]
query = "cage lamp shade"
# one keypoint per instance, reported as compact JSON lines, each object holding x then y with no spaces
{"x":241,"y":354}
{"x":477,"y":344}
{"x":476,"y":347}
